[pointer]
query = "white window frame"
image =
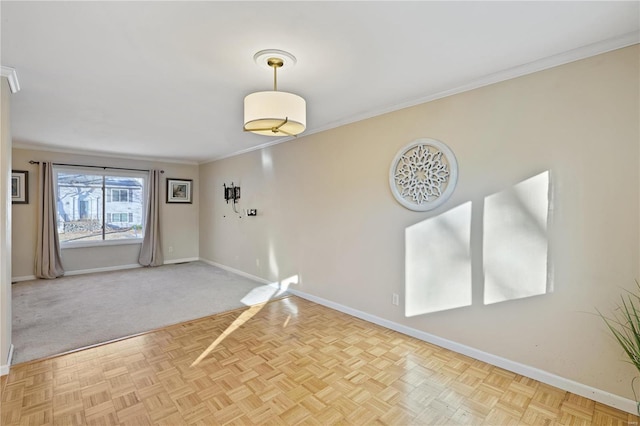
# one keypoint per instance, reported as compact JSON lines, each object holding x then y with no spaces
{"x":105,"y":172}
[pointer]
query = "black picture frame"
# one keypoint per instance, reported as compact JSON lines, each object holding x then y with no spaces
{"x":19,"y":187}
{"x":179,"y":191}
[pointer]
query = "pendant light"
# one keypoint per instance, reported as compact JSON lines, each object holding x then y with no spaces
{"x":275,"y":113}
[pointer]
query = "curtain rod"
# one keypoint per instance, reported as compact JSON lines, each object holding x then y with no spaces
{"x":96,"y":167}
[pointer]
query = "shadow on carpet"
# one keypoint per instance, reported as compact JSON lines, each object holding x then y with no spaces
{"x":51,"y":317}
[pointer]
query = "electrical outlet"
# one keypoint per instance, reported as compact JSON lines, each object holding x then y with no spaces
{"x":396,"y":299}
{"x":170,"y":249}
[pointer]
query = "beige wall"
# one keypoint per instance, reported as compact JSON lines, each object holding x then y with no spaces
{"x":327,"y":215}
{"x":179,"y":221}
{"x":5,"y":225}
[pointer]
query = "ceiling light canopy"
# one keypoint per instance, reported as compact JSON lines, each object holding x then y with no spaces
{"x":275,"y":113}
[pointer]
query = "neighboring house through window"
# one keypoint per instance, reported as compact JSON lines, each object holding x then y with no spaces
{"x":98,"y":206}
{"x":120,"y":217}
{"x":118,"y":195}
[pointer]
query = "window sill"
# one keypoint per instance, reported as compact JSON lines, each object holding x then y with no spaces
{"x":83,"y":244}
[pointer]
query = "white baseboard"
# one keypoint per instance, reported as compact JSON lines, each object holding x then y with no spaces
{"x":4,"y":369}
{"x":186,"y":259}
{"x":25,"y":278}
{"x":568,"y":385}
{"x":237,"y":271}
{"x":81,"y":272}
{"x":131,"y":266}
{"x":105,"y":269}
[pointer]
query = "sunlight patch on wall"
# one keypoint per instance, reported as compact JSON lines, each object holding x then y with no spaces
{"x":288,"y":282}
{"x":273,"y":262}
{"x":438,"y":262}
{"x":515,"y":241}
{"x":267,"y":292}
{"x":267,"y":160}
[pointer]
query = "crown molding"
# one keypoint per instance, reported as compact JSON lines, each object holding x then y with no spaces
{"x":276,"y":141}
{"x":542,"y":64}
{"x":12,"y":77}
{"x":48,"y":148}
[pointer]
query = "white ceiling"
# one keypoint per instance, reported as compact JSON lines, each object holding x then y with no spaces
{"x":166,"y":80}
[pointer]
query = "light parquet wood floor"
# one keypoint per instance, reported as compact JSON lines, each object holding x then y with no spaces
{"x":294,"y":362}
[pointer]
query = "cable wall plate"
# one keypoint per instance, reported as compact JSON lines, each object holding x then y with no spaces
{"x":423,"y":174}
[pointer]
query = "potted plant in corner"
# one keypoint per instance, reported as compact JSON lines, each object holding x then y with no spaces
{"x":625,"y":326}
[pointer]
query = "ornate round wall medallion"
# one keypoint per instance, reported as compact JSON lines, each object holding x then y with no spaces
{"x":423,"y":174}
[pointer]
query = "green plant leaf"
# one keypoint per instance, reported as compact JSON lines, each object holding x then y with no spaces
{"x":625,"y":325}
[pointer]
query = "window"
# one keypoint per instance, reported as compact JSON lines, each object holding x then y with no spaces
{"x":119,"y":217}
{"x":118,"y":195}
{"x":94,"y":207}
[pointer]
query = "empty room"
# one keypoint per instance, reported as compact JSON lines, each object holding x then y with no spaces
{"x":320,"y":212}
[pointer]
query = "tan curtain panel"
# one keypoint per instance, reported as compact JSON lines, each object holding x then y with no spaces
{"x":48,"y":259}
{"x":151,"y":251}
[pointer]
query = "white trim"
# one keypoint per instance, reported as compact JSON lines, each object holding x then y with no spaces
{"x":4,"y":369}
{"x":105,"y":269}
{"x":508,"y":74}
{"x":237,"y":271}
{"x":47,"y":148}
{"x":23,"y":278}
{"x":12,"y":77}
{"x":186,"y":259}
{"x":78,"y":244}
{"x":599,"y":395}
{"x":273,"y":142}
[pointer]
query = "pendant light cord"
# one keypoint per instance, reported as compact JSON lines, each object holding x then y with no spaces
{"x":275,"y":63}
{"x":275,"y":78}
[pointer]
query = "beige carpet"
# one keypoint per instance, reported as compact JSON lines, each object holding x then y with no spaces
{"x":55,"y":316}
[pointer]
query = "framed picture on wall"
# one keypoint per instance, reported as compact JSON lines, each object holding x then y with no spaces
{"x":19,"y":187}
{"x":179,"y":190}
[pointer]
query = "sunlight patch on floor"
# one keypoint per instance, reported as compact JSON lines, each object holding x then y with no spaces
{"x":256,"y":299}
